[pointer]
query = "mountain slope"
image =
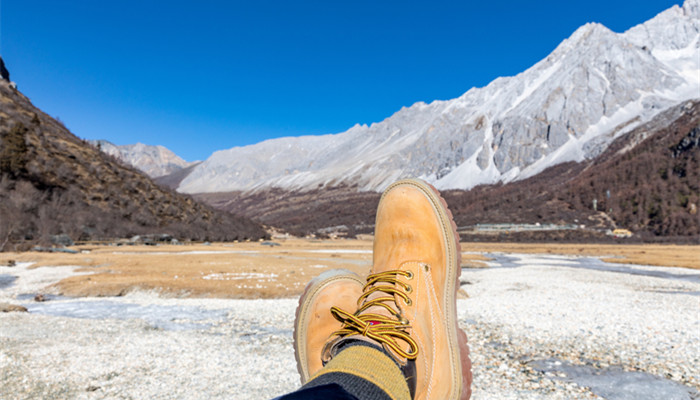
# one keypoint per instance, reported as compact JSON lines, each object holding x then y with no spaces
{"x":53,"y":183}
{"x":595,"y":86}
{"x":155,"y":161}
{"x":647,"y":180}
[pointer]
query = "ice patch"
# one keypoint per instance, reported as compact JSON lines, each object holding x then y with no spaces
{"x":235,"y":276}
{"x":187,"y":253}
{"x":616,"y":383}
{"x":34,"y":280}
{"x":7,"y":280}
{"x":341,"y":251}
{"x":513,"y":260}
{"x":167,"y":317}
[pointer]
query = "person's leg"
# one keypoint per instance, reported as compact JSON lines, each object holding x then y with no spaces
{"x":359,"y":371}
{"x":408,"y":305}
{"x":402,"y":340}
{"x":323,"y":392}
{"x":366,"y":371}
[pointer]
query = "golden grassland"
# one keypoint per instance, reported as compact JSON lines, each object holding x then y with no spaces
{"x":662,"y":255}
{"x":253,"y":270}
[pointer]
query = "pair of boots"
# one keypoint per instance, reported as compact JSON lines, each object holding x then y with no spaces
{"x":403,"y":316}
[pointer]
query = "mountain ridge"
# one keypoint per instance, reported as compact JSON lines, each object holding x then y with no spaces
{"x":154,"y":161}
{"x":647,"y":180}
{"x":595,"y":86}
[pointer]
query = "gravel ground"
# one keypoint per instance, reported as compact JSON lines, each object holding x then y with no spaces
{"x":545,"y":327}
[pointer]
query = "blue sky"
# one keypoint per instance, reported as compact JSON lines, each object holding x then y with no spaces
{"x":201,"y":76}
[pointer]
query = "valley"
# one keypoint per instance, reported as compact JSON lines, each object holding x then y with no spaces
{"x":281,"y":268}
{"x":127,"y":272}
{"x":543,"y":321}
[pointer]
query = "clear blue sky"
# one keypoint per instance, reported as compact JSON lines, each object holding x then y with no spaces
{"x":201,"y":76}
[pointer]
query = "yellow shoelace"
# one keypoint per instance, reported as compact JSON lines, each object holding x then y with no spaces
{"x":383,"y":329}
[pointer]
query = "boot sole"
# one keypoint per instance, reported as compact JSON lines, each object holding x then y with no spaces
{"x":459,"y":350}
{"x":301,"y":317}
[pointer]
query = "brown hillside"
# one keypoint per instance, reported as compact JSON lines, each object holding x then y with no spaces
{"x":53,"y":183}
{"x":649,"y":180}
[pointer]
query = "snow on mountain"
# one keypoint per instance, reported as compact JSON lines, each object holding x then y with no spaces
{"x":155,"y":161}
{"x":594,"y":86}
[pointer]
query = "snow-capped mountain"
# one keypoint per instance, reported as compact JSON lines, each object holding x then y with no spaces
{"x":595,"y":86}
{"x":155,"y":161}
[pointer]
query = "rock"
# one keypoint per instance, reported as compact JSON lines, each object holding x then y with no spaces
{"x":62,"y":240}
{"x":4,"y":73}
{"x":7,"y":307}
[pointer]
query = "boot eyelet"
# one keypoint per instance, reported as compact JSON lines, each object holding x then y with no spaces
{"x":409,"y":289}
{"x":409,"y":302}
{"x":409,"y":274}
{"x":403,"y":321}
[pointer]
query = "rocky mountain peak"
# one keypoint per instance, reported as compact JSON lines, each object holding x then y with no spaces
{"x":4,"y":73}
{"x":155,"y":161}
{"x":691,"y":8}
{"x":674,"y":29}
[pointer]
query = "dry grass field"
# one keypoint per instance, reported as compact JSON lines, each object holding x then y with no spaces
{"x":687,"y":256}
{"x":254,"y":270}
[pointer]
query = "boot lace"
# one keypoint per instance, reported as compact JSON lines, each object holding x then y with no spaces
{"x":388,"y":330}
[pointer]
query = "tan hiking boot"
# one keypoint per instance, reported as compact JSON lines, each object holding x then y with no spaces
{"x":409,"y":302}
{"x":314,"y":323}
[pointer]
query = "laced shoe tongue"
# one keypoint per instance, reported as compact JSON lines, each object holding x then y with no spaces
{"x":380,"y":296}
{"x":379,"y":317}
{"x":378,"y":309}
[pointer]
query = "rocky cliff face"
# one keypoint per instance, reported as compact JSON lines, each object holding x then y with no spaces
{"x":595,"y":86}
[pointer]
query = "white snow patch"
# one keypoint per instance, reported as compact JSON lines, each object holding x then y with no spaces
{"x":187,"y":253}
{"x":34,"y":280}
{"x":468,"y":174}
{"x":341,"y":251}
{"x":236,"y":276}
{"x":685,"y":61}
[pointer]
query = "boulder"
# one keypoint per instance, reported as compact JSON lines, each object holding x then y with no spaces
{"x":7,"y":307}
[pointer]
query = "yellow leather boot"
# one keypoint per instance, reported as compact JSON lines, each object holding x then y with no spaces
{"x":408,"y":305}
{"x":314,"y":323}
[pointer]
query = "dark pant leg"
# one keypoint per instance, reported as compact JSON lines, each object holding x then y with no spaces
{"x":331,"y":391}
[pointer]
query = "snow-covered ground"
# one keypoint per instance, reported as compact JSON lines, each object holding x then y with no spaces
{"x":540,"y":327}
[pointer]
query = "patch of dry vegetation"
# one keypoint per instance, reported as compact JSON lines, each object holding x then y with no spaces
{"x":252,"y":270}
{"x":241,"y":270}
{"x":661,"y":255}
